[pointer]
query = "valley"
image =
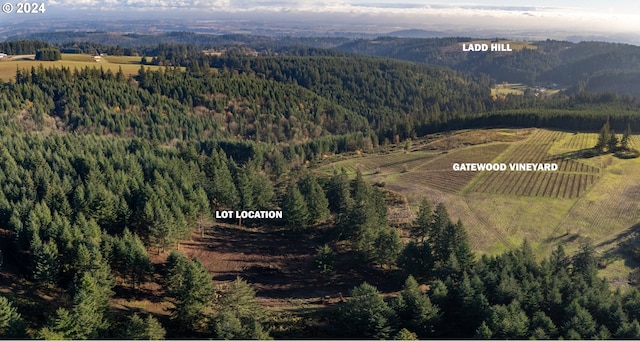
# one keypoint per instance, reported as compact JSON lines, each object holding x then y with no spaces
{"x":195,"y":186}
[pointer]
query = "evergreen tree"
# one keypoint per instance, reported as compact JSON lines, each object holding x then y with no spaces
{"x":604,"y":137}
{"x":221,"y":188}
{"x":244,"y":187}
{"x":629,"y":330}
{"x":190,"y":286}
{"x":228,"y":326}
{"x":422,"y":223}
{"x":559,"y":261}
{"x":417,"y":260}
{"x":415,"y":311}
{"x":131,"y":259}
{"x":437,"y":234}
{"x":239,"y":316}
{"x":361,"y":190}
{"x":483,"y":332}
{"x":387,"y":247}
{"x":154,"y":329}
{"x":366,"y":225}
{"x":325,"y":259}
{"x":294,"y":207}
{"x":11,"y":324}
{"x":612,"y":143}
{"x":147,"y":329}
{"x":339,"y":195}
{"x":46,"y":267}
{"x":61,"y":326}
{"x":458,"y":242}
{"x":603,"y":333}
{"x":89,"y":310}
{"x":542,"y":326}
{"x":624,"y":142}
{"x":135,"y":328}
{"x":585,"y":264}
{"x":48,"y":54}
{"x":579,"y":322}
{"x":366,"y":314}
{"x":439,"y":293}
{"x":405,"y":334}
{"x":509,"y":322}
{"x":466,"y":302}
{"x":361,"y":228}
{"x":263,"y":195}
{"x":317,"y":202}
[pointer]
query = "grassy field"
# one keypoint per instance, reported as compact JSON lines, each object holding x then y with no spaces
{"x":129,"y":65}
{"x":596,"y":198}
{"x":508,"y":88}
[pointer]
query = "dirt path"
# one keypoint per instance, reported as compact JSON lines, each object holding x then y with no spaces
{"x":279,"y":264}
{"x":22,"y":57}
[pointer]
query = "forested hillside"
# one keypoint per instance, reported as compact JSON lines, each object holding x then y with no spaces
{"x":109,"y":181}
{"x":204,"y":41}
{"x":545,"y":61}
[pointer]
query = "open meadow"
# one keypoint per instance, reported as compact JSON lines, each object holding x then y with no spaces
{"x":129,"y":64}
{"x":595,"y":198}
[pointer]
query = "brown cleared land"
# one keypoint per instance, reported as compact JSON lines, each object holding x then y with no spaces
{"x":279,"y":264}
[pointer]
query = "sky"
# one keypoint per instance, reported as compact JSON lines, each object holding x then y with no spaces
{"x":603,"y":6}
{"x":585,"y":16}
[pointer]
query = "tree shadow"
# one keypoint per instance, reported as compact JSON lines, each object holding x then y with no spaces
{"x":625,"y":246}
{"x":585,"y":153}
{"x":625,"y":238}
{"x":564,"y":239}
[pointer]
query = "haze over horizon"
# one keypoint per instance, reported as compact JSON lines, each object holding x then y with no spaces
{"x":590,"y":18}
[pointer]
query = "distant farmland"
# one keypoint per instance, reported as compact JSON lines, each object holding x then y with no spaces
{"x":129,"y":64}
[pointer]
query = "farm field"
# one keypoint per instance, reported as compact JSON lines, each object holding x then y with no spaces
{"x":508,"y":88}
{"x":387,"y":163}
{"x":503,"y":89}
{"x":438,"y":173}
{"x":500,"y":90}
{"x":570,"y":181}
{"x":596,"y":198}
{"x":130,"y":65}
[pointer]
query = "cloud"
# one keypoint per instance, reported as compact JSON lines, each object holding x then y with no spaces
{"x":416,"y":13}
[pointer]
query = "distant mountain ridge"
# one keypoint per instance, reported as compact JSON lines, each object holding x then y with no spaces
{"x":571,"y":65}
{"x":416,"y":33}
{"x":179,"y":37}
{"x":553,"y":61}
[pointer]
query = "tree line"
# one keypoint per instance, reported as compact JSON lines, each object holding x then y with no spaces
{"x":338,"y":104}
{"x":507,"y":296}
